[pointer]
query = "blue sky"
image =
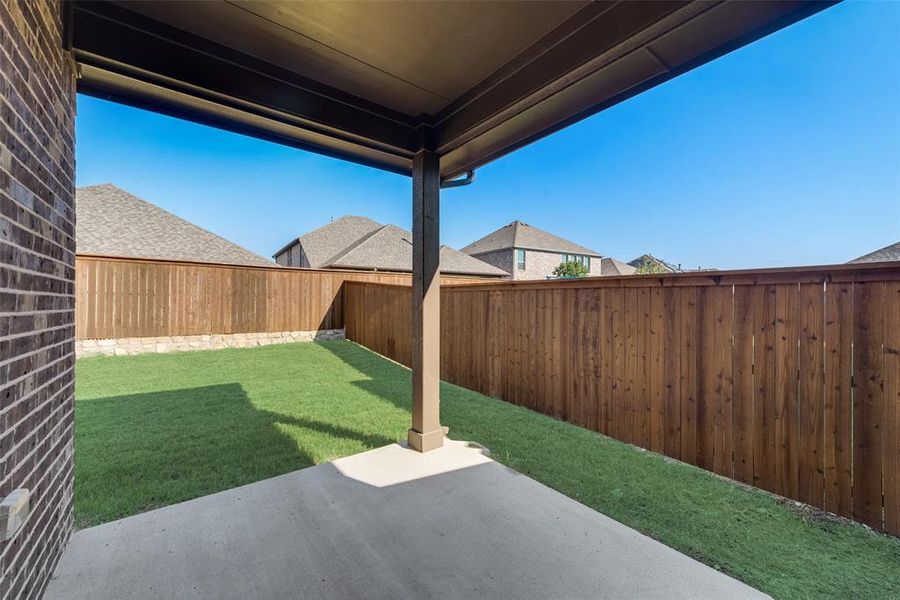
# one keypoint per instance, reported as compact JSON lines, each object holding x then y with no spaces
{"x":785,"y":152}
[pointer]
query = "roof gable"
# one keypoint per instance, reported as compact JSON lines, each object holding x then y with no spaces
{"x":353,"y":242}
{"x":668,"y":267}
{"x":522,"y":235}
{"x":325,"y":244}
{"x":611,"y":266}
{"x":112,"y":222}
{"x":388,"y":248}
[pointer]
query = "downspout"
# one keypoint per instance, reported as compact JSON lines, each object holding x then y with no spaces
{"x":452,"y":183}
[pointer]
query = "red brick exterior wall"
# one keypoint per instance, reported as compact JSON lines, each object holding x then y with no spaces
{"x":37,"y":269}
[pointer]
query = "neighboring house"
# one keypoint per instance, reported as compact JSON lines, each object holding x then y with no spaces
{"x":613,"y":267}
{"x":526,"y":252}
{"x":360,"y":243}
{"x":665,"y":266}
{"x":112,"y":222}
{"x":886,"y":254}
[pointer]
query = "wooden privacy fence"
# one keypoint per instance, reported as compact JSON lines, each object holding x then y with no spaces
{"x":785,"y":379}
{"x":130,"y":298}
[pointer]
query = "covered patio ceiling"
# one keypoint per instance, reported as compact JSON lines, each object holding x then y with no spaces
{"x":374,"y":82}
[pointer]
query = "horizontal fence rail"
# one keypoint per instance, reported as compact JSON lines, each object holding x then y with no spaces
{"x":135,"y":298}
{"x":785,"y":379}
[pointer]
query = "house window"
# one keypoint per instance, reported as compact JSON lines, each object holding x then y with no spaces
{"x":290,"y":258}
{"x":520,"y":259}
{"x":577,"y":258}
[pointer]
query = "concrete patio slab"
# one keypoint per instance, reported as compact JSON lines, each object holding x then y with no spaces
{"x":389,"y":523}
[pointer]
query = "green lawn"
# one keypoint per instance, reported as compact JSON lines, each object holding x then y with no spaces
{"x":157,"y":429}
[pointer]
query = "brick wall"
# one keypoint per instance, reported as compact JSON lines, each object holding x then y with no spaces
{"x":538,"y":264}
{"x":37,"y":168}
{"x":502,"y":259}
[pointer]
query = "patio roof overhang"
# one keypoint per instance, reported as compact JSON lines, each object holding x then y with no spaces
{"x":428,"y":89}
{"x":373,"y":82}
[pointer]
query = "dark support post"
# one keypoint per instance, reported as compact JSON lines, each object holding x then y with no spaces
{"x":426,"y":432}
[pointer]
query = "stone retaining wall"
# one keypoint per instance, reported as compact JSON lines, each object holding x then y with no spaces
{"x":127,"y":346}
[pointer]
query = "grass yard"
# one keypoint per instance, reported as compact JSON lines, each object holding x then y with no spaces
{"x":153,"y":430}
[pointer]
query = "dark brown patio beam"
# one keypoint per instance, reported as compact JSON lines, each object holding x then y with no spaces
{"x":426,"y":432}
{"x":254,"y":121}
{"x":167,"y":70}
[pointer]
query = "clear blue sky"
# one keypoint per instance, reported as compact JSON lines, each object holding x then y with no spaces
{"x":785,"y":152}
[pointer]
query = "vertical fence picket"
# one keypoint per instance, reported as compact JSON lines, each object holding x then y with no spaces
{"x":891,"y":431}
{"x":811,"y":396}
{"x":868,"y":401}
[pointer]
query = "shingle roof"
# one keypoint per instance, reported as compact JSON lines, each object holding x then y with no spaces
{"x":112,"y":222}
{"x":353,"y":242}
{"x":323,"y":245}
{"x":611,"y":266}
{"x":888,"y":253}
{"x":522,"y":235}
{"x":668,"y":267}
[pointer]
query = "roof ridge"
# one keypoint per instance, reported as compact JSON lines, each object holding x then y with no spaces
{"x":664,"y":263}
{"x":519,"y":234}
{"x":890,"y":251}
{"x":389,"y":247}
{"x":347,"y":249}
{"x":99,"y":185}
{"x":156,"y":207}
{"x":347,"y":228}
{"x":299,"y":239}
{"x":516,"y":225}
{"x":123,"y":197}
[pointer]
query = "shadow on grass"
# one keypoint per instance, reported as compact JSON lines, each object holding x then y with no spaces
{"x":143,"y":451}
{"x":469,"y":415}
{"x":336,"y":431}
{"x":387,"y":380}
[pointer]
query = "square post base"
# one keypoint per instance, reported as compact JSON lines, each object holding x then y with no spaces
{"x":424,"y":442}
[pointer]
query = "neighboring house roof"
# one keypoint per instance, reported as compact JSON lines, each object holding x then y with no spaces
{"x":886,"y":254}
{"x":112,"y":222}
{"x":611,"y":266}
{"x":668,"y":267}
{"x":326,"y":243}
{"x":522,"y":235}
{"x":353,"y":242}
